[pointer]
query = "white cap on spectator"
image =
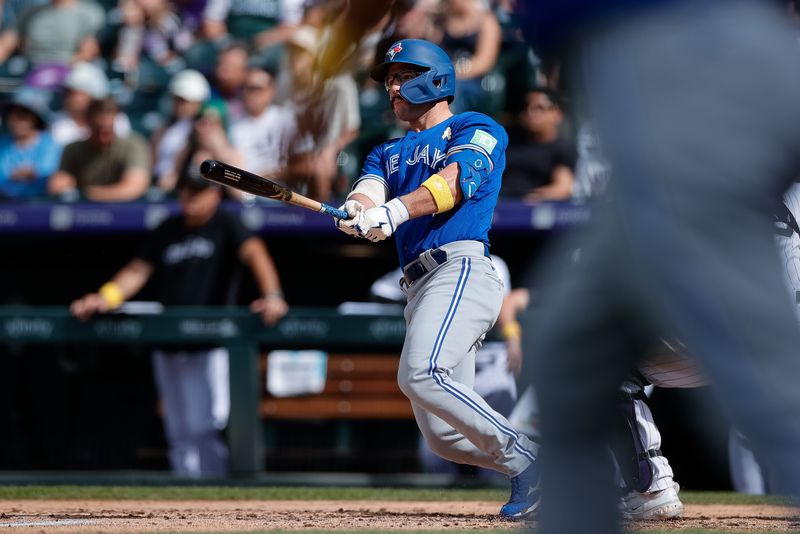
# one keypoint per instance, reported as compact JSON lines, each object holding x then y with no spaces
{"x":190,"y":85}
{"x":88,"y":78}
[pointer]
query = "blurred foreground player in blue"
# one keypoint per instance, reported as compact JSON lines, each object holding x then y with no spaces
{"x":683,"y":246}
{"x":435,"y":190}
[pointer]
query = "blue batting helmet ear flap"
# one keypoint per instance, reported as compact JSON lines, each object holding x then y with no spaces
{"x":428,"y":87}
{"x":436,"y":83}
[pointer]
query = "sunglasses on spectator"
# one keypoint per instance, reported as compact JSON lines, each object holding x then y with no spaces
{"x":255,"y":87}
{"x":400,"y":77}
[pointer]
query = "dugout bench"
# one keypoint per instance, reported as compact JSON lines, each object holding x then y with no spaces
{"x":360,"y":385}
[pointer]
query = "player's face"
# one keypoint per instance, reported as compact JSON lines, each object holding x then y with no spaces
{"x":231,"y":69}
{"x":400,"y":73}
{"x":198,"y":204}
{"x":185,"y":109}
{"x":540,"y":114}
{"x":102,"y":127}
{"x":20,"y":122}
{"x":258,"y":92}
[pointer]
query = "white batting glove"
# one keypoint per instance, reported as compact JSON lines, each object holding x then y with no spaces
{"x":354,"y":210}
{"x":376,"y":224}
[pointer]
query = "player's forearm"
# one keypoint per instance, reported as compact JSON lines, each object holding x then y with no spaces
{"x":364,"y":199}
{"x":61,"y":182}
{"x":88,"y":49}
{"x":488,"y":48}
{"x":9,"y":41}
{"x":560,"y":187}
{"x":132,"y":185}
{"x":132,"y":278}
{"x":421,"y":201}
{"x":514,"y":302}
{"x":254,"y":254}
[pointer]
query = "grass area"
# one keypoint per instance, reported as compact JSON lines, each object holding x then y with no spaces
{"x":727,"y":497}
{"x":316,"y":493}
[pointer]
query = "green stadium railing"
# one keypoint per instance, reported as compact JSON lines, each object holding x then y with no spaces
{"x":235,"y":328}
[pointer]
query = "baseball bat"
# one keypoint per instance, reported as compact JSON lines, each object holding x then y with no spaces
{"x":225,"y":174}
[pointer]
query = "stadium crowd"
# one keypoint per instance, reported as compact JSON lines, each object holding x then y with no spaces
{"x":115,"y":100}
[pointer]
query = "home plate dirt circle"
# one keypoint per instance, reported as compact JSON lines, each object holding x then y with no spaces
{"x":191,"y":516}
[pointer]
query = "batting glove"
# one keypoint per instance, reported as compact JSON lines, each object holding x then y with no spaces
{"x":354,"y":210}
{"x":376,"y":224}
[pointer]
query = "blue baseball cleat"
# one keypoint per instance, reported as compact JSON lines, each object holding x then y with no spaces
{"x":525,"y":495}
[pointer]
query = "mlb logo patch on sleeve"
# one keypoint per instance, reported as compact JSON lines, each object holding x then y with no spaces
{"x":484,"y":139}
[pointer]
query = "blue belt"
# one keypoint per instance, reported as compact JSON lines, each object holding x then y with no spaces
{"x":427,"y":261}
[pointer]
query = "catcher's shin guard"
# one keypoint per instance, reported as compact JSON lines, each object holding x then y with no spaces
{"x":629,"y":447}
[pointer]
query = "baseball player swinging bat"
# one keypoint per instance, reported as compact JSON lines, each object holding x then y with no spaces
{"x":225,"y":174}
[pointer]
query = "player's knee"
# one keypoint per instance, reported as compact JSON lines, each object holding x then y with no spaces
{"x":442,"y":449}
{"x":415,"y":385}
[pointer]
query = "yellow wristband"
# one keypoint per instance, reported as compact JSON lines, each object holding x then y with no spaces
{"x":440,"y":191}
{"x":112,"y":293}
{"x":511,"y":330}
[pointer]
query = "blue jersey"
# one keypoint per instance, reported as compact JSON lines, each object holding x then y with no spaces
{"x":42,"y":157}
{"x":403,"y":164}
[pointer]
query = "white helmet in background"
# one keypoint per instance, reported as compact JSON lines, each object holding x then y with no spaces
{"x":190,"y":85}
{"x":87,"y":78}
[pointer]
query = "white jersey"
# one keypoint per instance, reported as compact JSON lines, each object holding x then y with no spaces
{"x":66,"y":131}
{"x":788,"y":239}
{"x":172,"y":142}
{"x":265,"y":140}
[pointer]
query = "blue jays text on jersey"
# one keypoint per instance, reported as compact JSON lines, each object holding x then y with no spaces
{"x":473,"y":140}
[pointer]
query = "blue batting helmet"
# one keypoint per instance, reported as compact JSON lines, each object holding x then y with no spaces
{"x":438,"y":81}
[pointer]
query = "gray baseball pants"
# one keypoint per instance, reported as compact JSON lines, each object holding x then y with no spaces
{"x":449,"y":311}
{"x":194,"y":391}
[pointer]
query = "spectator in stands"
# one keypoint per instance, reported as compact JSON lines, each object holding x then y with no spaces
{"x":230,"y":72}
{"x":28,"y":154}
{"x":104,"y":167}
{"x":208,"y":140}
{"x":190,"y":91}
{"x":151,"y":30}
{"x":539,"y":160}
{"x":265,"y":134}
{"x":10,"y":11}
{"x":193,"y":259}
{"x":265,"y":26}
{"x":84,"y":83}
{"x":328,"y":115}
{"x":416,"y":20}
{"x":190,"y":13}
{"x":61,"y":32}
{"x":470,"y":34}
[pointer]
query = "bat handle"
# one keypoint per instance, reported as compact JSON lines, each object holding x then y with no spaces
{"x":333,"y":212}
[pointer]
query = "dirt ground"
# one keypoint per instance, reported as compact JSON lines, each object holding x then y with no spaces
{"x":191,"y":516}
